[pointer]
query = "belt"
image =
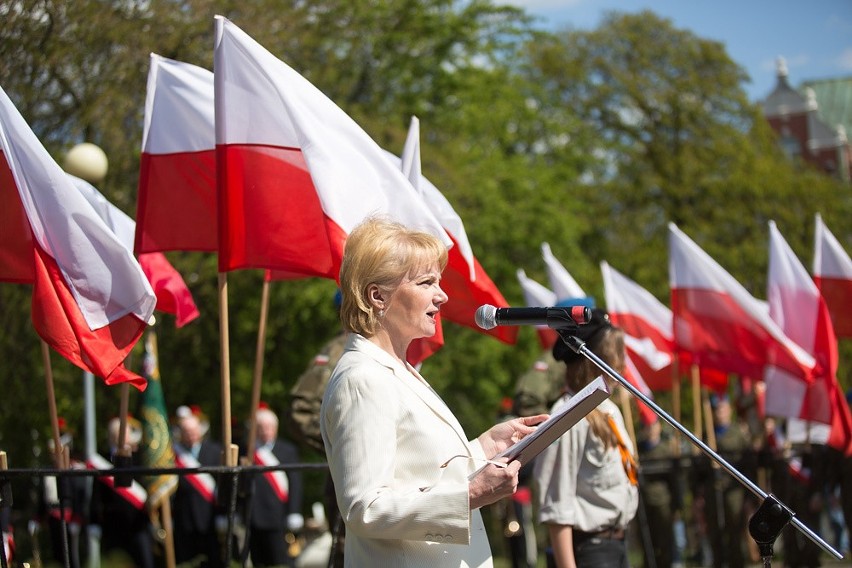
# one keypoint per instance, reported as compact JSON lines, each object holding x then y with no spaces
{"x":611,"y":533}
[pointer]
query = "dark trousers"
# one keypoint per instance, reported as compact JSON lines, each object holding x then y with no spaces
{"x":193,"y":545}
{"x":596,"y":553}
{"x":268,"y":548}
{"x":138,"y":545}
{"x":601,"y":553}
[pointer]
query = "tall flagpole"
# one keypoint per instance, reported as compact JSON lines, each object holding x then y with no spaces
{"x":258,"y":371}
{"x":229,"y":449}
{"x":696,"y":404}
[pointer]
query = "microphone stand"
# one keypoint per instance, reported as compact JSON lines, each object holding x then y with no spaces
{"x":770,"y":518}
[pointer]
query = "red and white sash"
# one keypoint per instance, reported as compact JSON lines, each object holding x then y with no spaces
{"x":201,"y":482}
{"x":51,"y":498}
{"x":9,"y":546}
{"x":135,"y":494}
{"x":277,"y":478}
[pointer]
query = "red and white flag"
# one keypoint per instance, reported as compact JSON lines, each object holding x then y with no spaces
{"x":796,"y":305}
{"x":833,"y":277}
{"x":719,"y":324}
{"x":634,"y":376}
{"x":537,"y":295}
{"x":176,"y":204}
{"x":464,"y":280}
{"x":647,"y":325}
{"x":173,"y":297}
{"x":561,"y":281}
{"x":295,"y":173}
{"x":91,"y":300}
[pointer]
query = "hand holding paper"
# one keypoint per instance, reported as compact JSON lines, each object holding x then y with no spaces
{"x":505,"y":434}
{"x":564,"y":417}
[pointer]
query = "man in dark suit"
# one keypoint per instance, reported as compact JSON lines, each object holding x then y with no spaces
{"x":195,"y":498}
{"x":118,"y":513}
{"x":276,"y":503}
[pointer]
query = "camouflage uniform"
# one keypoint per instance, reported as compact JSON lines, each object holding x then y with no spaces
{"x":540,"y":387}
{"x":727,"y":526}
{"x":303,"y":414}
{"x":302,"y":418}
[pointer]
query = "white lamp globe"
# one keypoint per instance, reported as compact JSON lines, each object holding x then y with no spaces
{"x":87,"y":161}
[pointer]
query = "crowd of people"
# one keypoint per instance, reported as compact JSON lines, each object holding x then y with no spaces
{"x":693,"y":513}
{"x":111,"y":519}
{"x":407,"y":486}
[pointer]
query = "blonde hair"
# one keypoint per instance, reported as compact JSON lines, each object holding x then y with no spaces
{"x":381,"y":252}
{"x":608,"y":344}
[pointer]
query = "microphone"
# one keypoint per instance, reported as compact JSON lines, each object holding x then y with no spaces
{"x":561,"y":317}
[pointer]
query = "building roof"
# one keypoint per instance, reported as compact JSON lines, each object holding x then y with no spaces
{"x":827,"y":104}
{"x":784,"y":99}
{"x":835,"y":101}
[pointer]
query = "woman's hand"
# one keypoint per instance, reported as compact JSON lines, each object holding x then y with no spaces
{"x":502,"y":435}
{"x":492,"y":484}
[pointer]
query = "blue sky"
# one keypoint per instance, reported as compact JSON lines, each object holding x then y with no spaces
{"x":815,"y":37}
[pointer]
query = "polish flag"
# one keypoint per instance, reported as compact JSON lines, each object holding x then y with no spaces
{"x":173,"y":297}
{"x":538,"y":295}
{"x":464,"y":280}
{"x":563,"y":284}
{"x":833,"y":277}
{"x":647,"y":325}
{"x":296,"y":174}
{"x":91,"y":300}
{"x":176,"y":204}
{"x":720,"y":324}
{"x":796,"y":305}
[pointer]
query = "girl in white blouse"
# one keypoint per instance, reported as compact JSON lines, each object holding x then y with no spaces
{"x":587,"y":478}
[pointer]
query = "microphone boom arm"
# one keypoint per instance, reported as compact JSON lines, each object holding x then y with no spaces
{"x":782,"y":513}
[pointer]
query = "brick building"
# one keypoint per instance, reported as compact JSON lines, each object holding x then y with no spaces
{"x":811,"y":124}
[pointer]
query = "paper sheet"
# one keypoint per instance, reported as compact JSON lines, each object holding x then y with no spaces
{"x":562,"y":419}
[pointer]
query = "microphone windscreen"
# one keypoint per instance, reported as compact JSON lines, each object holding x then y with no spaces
{"x":486,"y":317}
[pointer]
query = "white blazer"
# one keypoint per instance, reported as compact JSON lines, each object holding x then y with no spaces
{"x":386,"y":434}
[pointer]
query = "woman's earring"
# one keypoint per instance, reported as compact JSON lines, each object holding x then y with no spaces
{"x":381,"y":313}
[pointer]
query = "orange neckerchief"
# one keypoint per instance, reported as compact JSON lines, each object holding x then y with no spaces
{"x":626,"y":457}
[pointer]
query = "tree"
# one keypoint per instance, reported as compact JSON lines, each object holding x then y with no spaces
{"x":681,"y":142}
{"x":78,"y":72}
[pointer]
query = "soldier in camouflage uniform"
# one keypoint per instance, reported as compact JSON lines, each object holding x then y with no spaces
{"x":725,"y":499}
{"x":658,"y":488}
{"x":539,"y":387}
{"x":303,"y":414}
{"x":303,"y":421}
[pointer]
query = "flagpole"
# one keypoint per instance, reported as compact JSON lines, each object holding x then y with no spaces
{"x":708,"y":419}
{"x":771,"y":515}
{"x":5,"y":503}
{"x":124,"y":394}
{"x":168,"y":527}
{"x":60,"y":457}
{"x":676,"y":403}
{"x":230,"y":451}
{"x":51,"y":405}
{"x":258,"y":371}
{"x":696,"y":403}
